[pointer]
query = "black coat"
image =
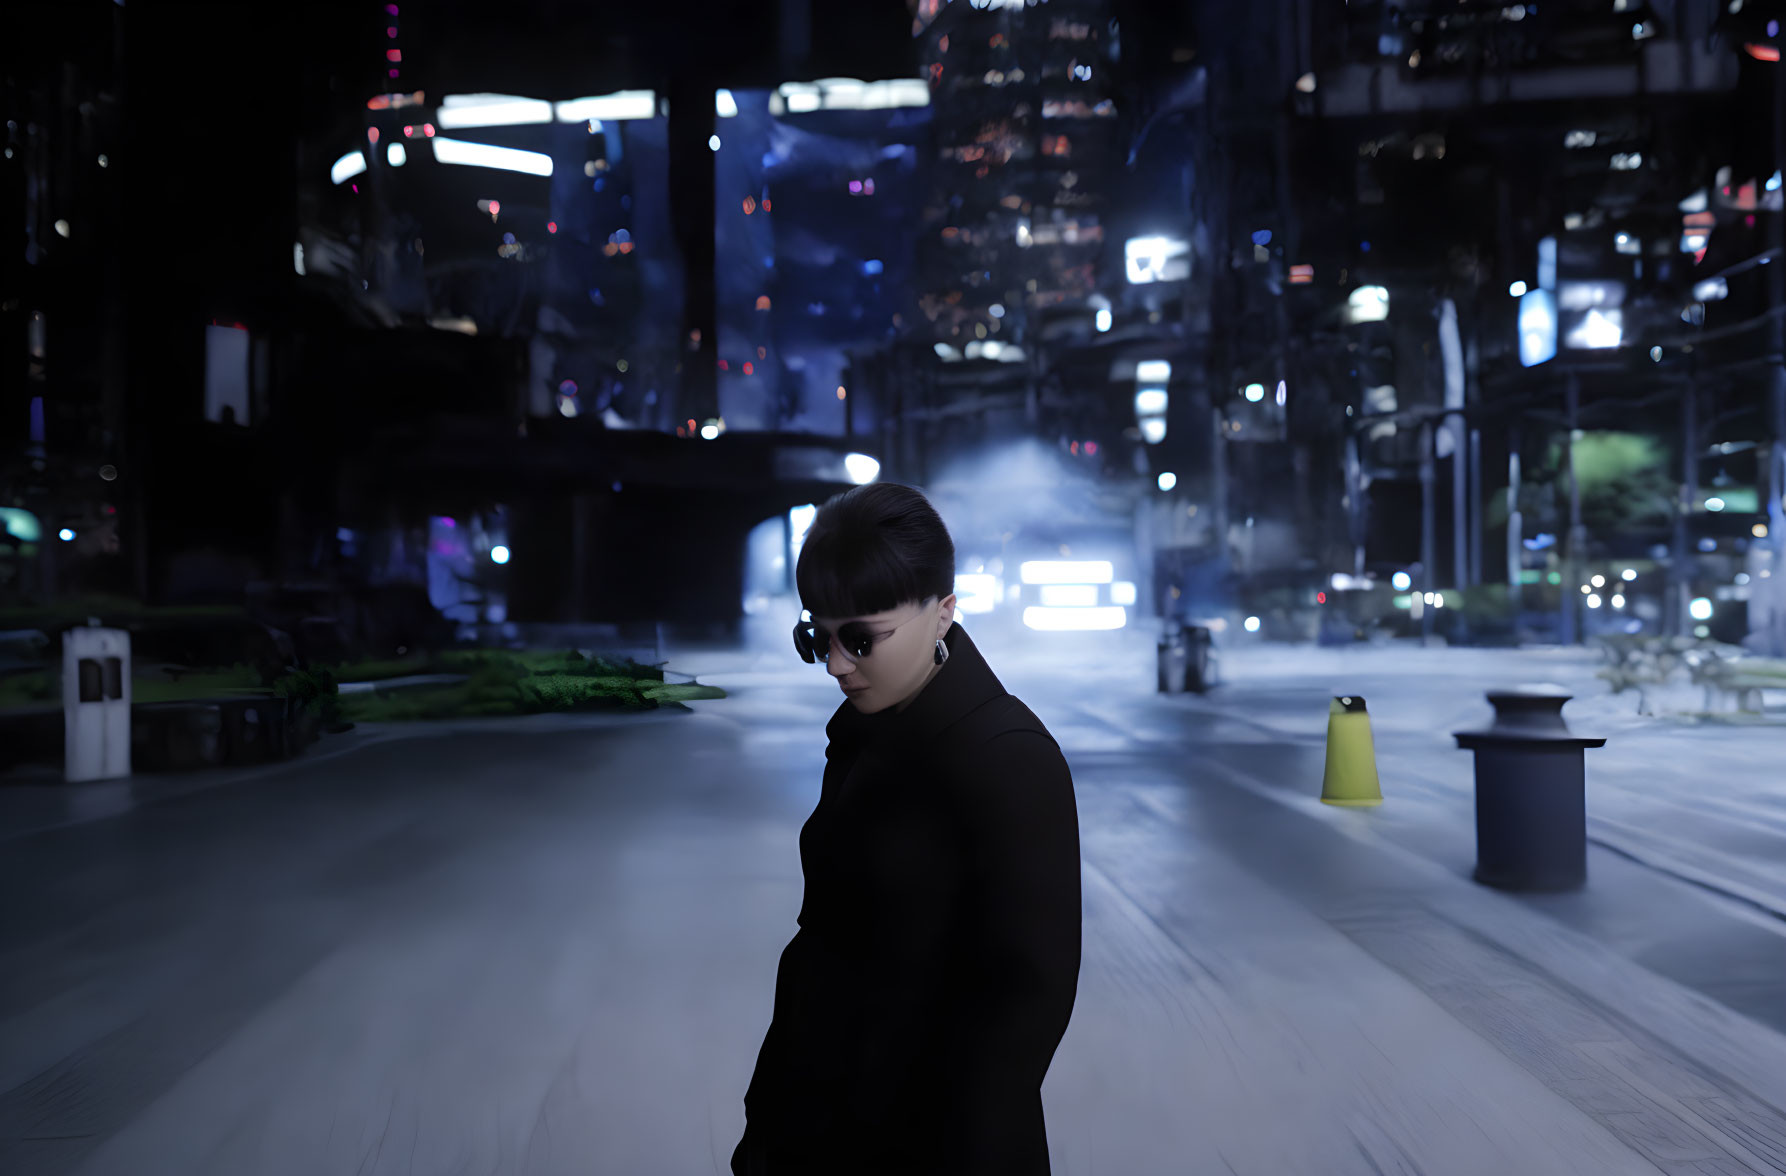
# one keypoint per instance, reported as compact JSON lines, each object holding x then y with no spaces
{"x":919,"y":1005}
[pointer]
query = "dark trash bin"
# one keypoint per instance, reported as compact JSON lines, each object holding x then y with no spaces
{"x":1199,"y":664}
{"x":1184,"y":660}
{"x":1170,"y":656}
{"x":1531,"y":797}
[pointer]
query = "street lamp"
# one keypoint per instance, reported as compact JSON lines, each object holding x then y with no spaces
{"x":1537,"y":327}
{"x":1367,"y":304}
{"x":1156,"y":259}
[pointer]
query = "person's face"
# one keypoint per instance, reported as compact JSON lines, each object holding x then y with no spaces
{"x":901,"y":659}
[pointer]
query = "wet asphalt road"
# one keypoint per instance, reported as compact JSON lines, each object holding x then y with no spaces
{"x":513,"y":950}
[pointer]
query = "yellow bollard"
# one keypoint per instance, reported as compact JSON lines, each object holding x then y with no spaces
{"x":1351,"y":775}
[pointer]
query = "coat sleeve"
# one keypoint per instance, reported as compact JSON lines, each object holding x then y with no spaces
{"x":1023,"y":884}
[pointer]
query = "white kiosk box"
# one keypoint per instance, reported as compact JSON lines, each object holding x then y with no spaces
{"x":96,"y":703}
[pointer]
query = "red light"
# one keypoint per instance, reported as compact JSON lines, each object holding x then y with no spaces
{"x":372,"y":134}
{"x":750,"y":205}
{"x":495,"y":207}
{"x":1699,"y":257}
{"x":724,"y":366}
{"x":551,"y":226}
{"x":1320,"y":598}
{"x":428,"y":129}
{"x":765,"y":204}
{"x":409,"y":132}
{"x":391,"y":33}
{"x":1091,"y":447}
{"x":393,"y":55}
{"x":394,"y":73}
{"x":1762,"y":52}
{"x":748,"y":369}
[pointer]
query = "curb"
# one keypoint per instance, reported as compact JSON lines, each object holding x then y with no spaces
{"x":1604,"y":832}
{"x":114,"y":798}
{"x":1693,"y":1026}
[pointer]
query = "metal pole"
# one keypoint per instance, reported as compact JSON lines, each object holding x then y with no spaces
{"x":691,"y":123}
{"x":1428,"y":545}
{"x":1515,"y":530}
{"x":1475,"y":508}
{"x":1680,"y":571}
{"x":1219,"y":491}
{"x":1573,"y":547}
{"x":1460,"y":496}
{"x":1355,"y":503}
{"x":1773,"y":588}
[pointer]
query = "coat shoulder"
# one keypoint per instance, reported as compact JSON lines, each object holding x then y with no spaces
{"x":998,"y":716}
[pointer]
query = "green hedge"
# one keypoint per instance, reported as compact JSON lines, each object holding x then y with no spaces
{"x":498,"y":682}
{"x":501,"y":682}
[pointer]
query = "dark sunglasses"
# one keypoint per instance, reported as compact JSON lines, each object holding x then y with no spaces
{"x":814,"y":641}
{"x":855,"y":638}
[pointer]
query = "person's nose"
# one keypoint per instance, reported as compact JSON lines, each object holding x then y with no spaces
{"x":839,"y":663}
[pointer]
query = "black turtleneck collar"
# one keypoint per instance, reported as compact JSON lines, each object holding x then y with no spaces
{"x":963,"y":684}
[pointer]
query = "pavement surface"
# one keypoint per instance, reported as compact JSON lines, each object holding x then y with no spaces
{"x":546,"y":946}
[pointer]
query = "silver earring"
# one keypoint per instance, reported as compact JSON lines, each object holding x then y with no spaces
{"x":942,"y":652}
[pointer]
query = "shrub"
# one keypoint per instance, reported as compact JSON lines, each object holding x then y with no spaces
{"x":314,"y":690}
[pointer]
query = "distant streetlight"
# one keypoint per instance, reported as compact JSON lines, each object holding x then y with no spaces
{"x":1600,"y":330}
{"x":1156,"y":259}
{"x":499,"y":554}
{"x":1537,"y":327}
{"x":1167,"y":480}
{"x":1367,"y":304}
{"x":861,"y":468}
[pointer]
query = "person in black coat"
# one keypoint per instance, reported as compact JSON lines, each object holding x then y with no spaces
{"x":920,"y":1003}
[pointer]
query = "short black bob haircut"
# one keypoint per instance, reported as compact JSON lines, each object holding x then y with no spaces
{"x":874,"y":548}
